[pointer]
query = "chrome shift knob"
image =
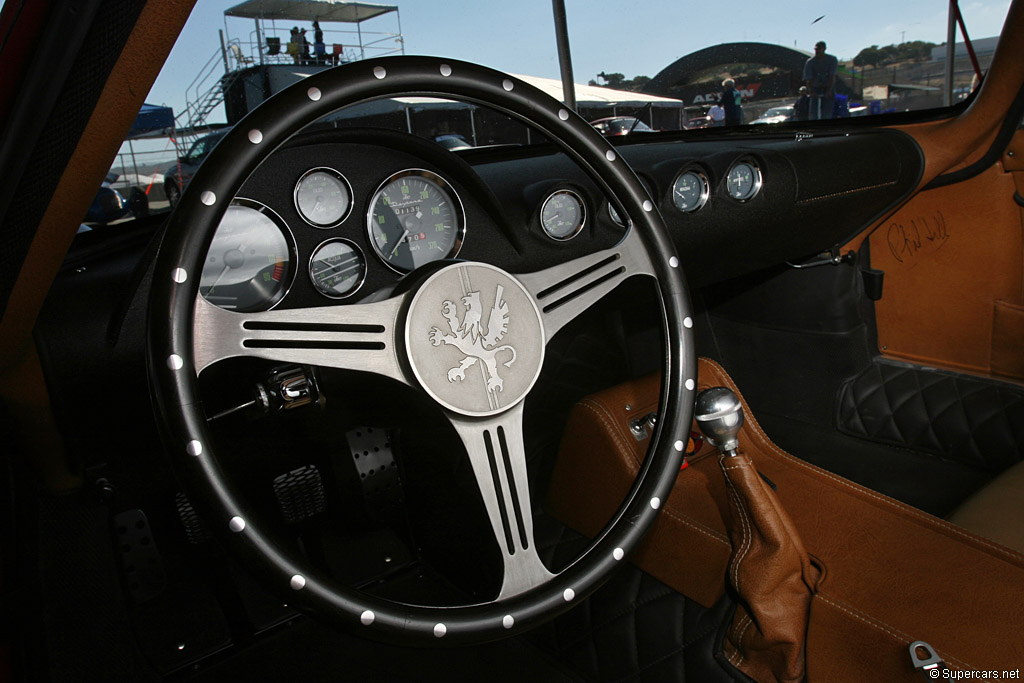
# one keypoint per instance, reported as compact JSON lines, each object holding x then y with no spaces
{"x":719,"y":415}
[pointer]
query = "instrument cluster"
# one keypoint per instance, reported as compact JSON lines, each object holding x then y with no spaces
{"x":414,"y":217}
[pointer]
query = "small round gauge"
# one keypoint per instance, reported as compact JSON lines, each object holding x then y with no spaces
{"x":337,"y":268}
{"x":613,"y":212}
{"x":562,"y":215}
{"x":249,"y":264}
{"x":743,"y":181}
{"x":415,"y":218}
{"x":690,"y":191}
{"x":323,"y":197}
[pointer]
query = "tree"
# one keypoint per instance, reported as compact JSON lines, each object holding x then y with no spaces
{"x":619,"y":81}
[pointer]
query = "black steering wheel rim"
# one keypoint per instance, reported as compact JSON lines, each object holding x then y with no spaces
{"x":170,"y":348}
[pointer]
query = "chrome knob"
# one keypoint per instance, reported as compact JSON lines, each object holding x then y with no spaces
{"x":719,"y":415}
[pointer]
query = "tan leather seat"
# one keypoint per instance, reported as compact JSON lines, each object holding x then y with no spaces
{"x":997,"y":511}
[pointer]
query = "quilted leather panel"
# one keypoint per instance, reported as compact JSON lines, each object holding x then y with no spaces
{"x":634,"y":628}
{"x":971,"y":420}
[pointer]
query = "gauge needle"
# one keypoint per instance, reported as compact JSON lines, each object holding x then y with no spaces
{"x":398,"y":243}
{"x":228,"y":265}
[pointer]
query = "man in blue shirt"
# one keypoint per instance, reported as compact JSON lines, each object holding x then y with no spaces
{"x":820,"y":77}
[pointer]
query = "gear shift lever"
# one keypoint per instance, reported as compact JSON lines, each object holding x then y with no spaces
{"x":719,"y":415}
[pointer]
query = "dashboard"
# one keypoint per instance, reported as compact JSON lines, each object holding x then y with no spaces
{"x":340,"y":215}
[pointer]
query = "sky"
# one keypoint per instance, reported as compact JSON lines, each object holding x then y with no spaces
{"x":605,"y":35}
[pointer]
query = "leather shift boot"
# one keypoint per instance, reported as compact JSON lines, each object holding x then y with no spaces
{"x":772,"y":577}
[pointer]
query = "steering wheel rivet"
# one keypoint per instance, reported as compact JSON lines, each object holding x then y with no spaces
{"x":366,"y":618}
{"x":618,"y":554}
{"x":679,"y":445}
{"x":175,"y":362}
{"x":687,"y":322}
{"x":568,"y":594}
{"x":609,"y":155}
{"x":648,"y":206}
{"x":314,"y":94}
{"x":179,"y":275}
{"x":507,"y":85}
{"x":655,"y":503}
{"x":194,"y":448}
{"x":563,"y":114}
{"x":298,"y":582}
{"x":208,"y":198}
{"x":380,"y":72}
{"x":440,"y":630}
{"x":237,"y":524}
{"x":446,"y":70}
{"x":689,"y":385}
{"x":255,"y":136}
{"x":508,"y":622}
{"x":674,"y":262}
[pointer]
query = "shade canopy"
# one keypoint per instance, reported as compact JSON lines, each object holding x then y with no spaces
{"x":309,"y":10}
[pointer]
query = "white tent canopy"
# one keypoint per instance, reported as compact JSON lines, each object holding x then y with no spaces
{"x":309,"y":10}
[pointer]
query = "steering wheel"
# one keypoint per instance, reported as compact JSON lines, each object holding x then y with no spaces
{"x":414,"y":338}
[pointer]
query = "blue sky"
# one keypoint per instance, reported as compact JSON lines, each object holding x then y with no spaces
{"x":609,"y":36}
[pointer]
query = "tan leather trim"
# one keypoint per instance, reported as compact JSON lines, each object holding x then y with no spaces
{"x":122,"y":97}
{"x":948,"y":255}
{"x":1008,"y":340}
{"x":889,"y":564}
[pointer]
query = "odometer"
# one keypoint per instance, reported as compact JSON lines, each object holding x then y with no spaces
{"x":415,"y":218}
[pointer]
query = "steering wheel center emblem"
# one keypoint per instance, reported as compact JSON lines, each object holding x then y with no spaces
{"x":475,"y":339}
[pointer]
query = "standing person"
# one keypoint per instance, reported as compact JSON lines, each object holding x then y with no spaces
{"x":820,"y":78}
{"x":305,"y":47}
{"x":294,"y":44}
{"x":802,"y":106}
{"x":319,"y":49}
{"x":730,"y":100}
{"x":717,"y":115}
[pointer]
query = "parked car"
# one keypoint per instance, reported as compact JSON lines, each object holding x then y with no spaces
{"x":775,"y":115}
{"x":715,"y":406}
{"x":178,"y":174}
{"x":620,"y":125}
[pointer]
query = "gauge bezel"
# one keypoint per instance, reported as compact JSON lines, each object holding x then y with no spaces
{"x":758,"y":180}
{"x":289,"y":238}
{"x":460,"y":216}
{"x":705,"y":189}
{"x":362,"y":258}
{"x":583,"y":213}
{"x":339,"y":176}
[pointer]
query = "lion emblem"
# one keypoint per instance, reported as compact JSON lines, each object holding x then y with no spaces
{"x":471,"y":338}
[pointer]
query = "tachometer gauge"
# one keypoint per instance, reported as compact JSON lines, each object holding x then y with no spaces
{"x":337,"y":268}
{"x":562,"y":215}
{"x":743,"y":181}
{"x":322,"y":197}
{"x":249,"y":264}
{"x":690,"y":191}
{"x":415,"y":218}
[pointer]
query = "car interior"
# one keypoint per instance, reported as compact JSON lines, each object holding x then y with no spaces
{"x":773,"y":435}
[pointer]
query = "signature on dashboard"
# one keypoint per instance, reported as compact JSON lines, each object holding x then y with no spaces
{"x":907,"y":240}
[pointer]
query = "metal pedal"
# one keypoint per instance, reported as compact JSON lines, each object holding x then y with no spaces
{"x":375,"y":464}
{"x":300,"y":494}
{"x":140,"y":560}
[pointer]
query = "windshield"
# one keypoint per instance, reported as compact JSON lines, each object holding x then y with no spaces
{"x":672,"y":68}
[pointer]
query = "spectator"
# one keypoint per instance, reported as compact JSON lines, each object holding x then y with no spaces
{"x":802,"y":106}
{"x":717,"y":115}
{"x":319,"y":49}
{"x":820,"y":78}
{"x":730,"y":100}
{"x":294,"y":43}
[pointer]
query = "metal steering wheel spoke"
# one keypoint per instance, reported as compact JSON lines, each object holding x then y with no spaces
{"x":565,"y":291}
{"x":498,"y":457}
{"x":360,"y":337}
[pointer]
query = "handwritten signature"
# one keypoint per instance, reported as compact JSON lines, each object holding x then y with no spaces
{"x":905,"y":241}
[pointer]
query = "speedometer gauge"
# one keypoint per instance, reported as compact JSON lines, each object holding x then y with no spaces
{"x":323,"y":197}
{"x":743,"y":181}
{"x":337,"y":268}
{"x":415,"y":218}
{"x":249,"y":264}
{"x":690,"y":191}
